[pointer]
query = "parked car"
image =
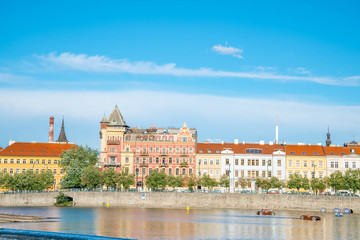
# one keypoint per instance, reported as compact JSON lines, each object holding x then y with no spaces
{"x":273,"y":192}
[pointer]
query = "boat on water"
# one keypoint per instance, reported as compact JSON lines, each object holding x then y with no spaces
{"x":339,"y":215}
{"x":310,"y":217}
{"x":265,"y":212}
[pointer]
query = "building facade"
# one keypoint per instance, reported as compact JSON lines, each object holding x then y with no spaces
{"x":307,"y":160}
{"x":141,"y":151}
{"x":341,"y":159}
{"x":208,"y":159}
{"x":250,"y":161}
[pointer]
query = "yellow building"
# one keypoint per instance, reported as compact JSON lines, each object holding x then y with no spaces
{"x":208,"y":159}
{"x":19,"y":157}
{"x":307,"y":160}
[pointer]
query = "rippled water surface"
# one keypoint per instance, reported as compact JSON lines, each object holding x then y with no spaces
{"x":198,"y":224}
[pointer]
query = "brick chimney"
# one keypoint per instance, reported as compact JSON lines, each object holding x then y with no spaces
{"x":51,"y":130}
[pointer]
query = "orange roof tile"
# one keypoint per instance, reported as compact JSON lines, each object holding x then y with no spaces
{"x":305,"y":150}
{"x":340,"y":150}
{"x":35,"y":149}
{"x":239,"y":148}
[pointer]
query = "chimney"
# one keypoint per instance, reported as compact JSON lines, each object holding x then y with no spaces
{"x":236,"y":141}
{"x":271,"y":143}
{"x":261,"y":142}
{"x":11,"y":142}
{"x":51,"y":130}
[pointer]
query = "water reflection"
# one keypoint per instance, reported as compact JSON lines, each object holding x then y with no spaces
{"x":199,"y":224}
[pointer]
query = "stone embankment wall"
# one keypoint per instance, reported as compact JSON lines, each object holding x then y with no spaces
{"x":182,"y":200}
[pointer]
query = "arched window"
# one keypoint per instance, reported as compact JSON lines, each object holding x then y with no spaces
{"x":144,"y":138}
{"x":151,"y":138}
{"x":157,"y":149}
{"x":190,"y":150}
{"x":137,"y":138}
{"x":164,"y":138}
{"x":171,"y":138}
{"x":190,"y":171}
{"x":184,"y":150}
{"x":163,"y":150}
{"x":144,"y":149}
{"x":170,"y":149}
{"x":150,"y":149}
{"x":177,"y":149}
{"x":157,"y":138}
{"x":170,"y":171}
{"x":183,"y":171}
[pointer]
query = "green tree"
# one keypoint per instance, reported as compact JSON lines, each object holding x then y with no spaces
{"x":46,"y":179}
{"x":192,"y":181}
{"x":352,"y":179}
{"x":337,"y":181}
{"x":305,"y":183}
{"x":295,"y":181}
{"x":174,"y":181}
{"x":208,"y":182}
{"x":263,"y":183}
{"x":243,"y":182}
{"x":276,"y":183}
{"x":90,"y":178}
{"x":224,"y":181}
{"x":74,"y":162}
{"x":156,"y":180}
{"x":109,"y":177}
{"x":125,"y":180}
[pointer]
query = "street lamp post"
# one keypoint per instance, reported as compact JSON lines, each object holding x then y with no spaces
{"x":137,"y":172}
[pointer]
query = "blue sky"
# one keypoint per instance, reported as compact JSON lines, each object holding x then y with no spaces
{"x":226,"y":68}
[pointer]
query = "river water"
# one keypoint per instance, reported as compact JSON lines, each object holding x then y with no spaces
{"x":197,"y":224}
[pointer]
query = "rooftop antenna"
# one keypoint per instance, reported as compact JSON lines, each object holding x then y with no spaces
{"x":277,"y":130}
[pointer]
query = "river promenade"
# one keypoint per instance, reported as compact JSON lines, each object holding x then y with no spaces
{"x":182,"y":200}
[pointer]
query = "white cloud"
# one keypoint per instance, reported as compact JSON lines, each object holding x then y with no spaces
{"x":224,"y":50}
{"x":11,"y":78}
{"x":83,"y":62}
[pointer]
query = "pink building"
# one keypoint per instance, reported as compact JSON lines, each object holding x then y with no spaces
{"x":143,"y":150}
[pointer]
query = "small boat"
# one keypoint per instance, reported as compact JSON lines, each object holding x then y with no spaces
{"x":347,"y":210}
{"x":310,"y":217}
{"x":339,"y":215}
{"x":266,"y":212}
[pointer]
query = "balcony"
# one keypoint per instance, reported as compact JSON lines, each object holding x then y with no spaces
{"x":144,"y":165}
{"x":184,"y":165}
{"x":163,"y":154}
{"x":143,"y":154}
{"x":184,"y":155}
{"x":163,"y":165}
{"x":111,"y":142}
{"x":112,"y":164}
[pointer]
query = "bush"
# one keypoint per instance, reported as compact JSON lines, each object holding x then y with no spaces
{"x":63,"y":201}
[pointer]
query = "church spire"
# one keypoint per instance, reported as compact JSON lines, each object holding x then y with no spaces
{"x":328,"y":140}
{"x":62,"y":137}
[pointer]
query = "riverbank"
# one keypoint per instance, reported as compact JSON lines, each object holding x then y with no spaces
{"x":183,"y":200}
{"x":15,"y":218}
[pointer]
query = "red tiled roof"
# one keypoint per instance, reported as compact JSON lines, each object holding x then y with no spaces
{"x":35,"y":149}
{"x":305,"y":150}
{"x":340,"y":150}
{"x":239,"y":148}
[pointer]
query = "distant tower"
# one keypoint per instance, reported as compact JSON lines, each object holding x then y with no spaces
{"x":51,"y":130}
{"x":62,"y":136}
{"x":277,"y":131}
{"x":328,"y":141}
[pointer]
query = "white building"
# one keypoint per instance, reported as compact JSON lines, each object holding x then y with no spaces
{"x":250,"y":161}
{"x":341,"y":159}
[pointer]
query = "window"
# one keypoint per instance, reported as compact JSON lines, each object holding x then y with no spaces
{"x":157,"y":160}
{"x":297,"y":163}
{"x":211,"y":162}
{"x":43,"y":161}
{"x":177,"y":160}
{"x":170,"y":171}
{"x":184,"y":150}
{"x":126,"y":159}
{"x":227,"y":172}
{"x":236,"y":173}
{"x":5,"y":160}
{"x":305,"y":164}
{"x":55,"y":171}
{"x":217,"y":161}
{"x":278,"y":174}
{"x":320,"y":175}
{"x":199,"y":161}
{"x":150,"y":160}
{"x":236,"y":162}
{"x":253,"y":162}
{"x":205,"y":162}
{"x":143,"y":171}
{"x":354,"y":165}
{"x":313,"y":174}
{"x":257,"y":162}
{"x":18,"y":161}
{"x":263,"y":174}
{"x":227,"y":161}
{"x":217,"y":172}
{"x":305,"y":174}
{"x":157,"y":149}
{"x":312,"y":163}
{"x":163,"y":150}
{"x":5,"y":170}
{"x":18,"y":170}
{"x":170,"y":150}
{"x":49,"y":161}
{"x":269,"y":174}
{"x":150,"y":149}
{"x":190,"y":150}
{"x":320,"y":164}
{"x":242,"y":173}
{"x":332,"y":164}
{"x":11,"y":170}
{"x":279,"y":163}
{"x":249,"y":162}
{"x":183,"y":171}
{"x":209,"y":151}
{"x":190,"y":160}
{"x":269,"y":162}
{"x":24,"y":161}
{"x":11,"y":160}
{"x":177,"y":171}
{"x":61,"y":171}
{"x":150,"y":169}
{"x":290,"y":174}
{"x":177,"y":150}
{"x":346,"y":164}
{"x":170,"y":160}
{"x":336,"y":164}
{"x":253,"y":151}
{"x":263,"y":162}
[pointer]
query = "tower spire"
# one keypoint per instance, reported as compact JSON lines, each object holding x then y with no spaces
{"x":328,"y":140}
{"x":62,"y":137}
